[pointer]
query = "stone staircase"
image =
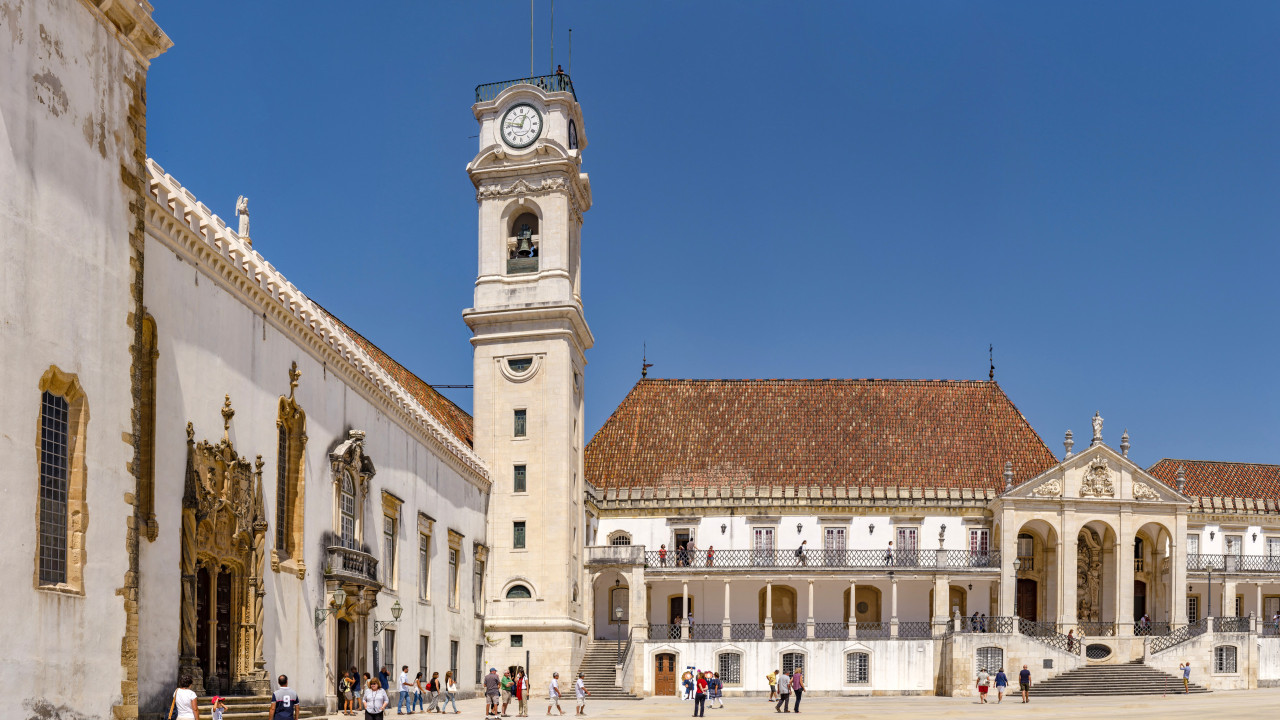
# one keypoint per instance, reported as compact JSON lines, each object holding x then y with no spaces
{"x":1132,"y":678}
{"x":597,"y":670}
{"x":251,"y":707}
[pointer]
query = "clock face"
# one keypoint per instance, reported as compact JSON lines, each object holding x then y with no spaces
{"x":521,"y":125}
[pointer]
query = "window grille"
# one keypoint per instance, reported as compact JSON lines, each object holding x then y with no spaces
{"x":282,"y":492}
{"x":1224,"y":659}
{"x":477,"y":585}
{"x":389,"y":644}
{"x":453,"y":657}
{"x":990,"y":659}
{"x":424,"y":654}
{"x":730,"y":665}
{"x":621,"y":539}
{"x":518,"y":534}
{"x":857,"y":669}
{"x":791,"y":661}
{"x":348,"y":512}
{"x":54,"y":464}
{"x":521,"y":424}
{"x":520,"y":483}
{"x":517,"y":641}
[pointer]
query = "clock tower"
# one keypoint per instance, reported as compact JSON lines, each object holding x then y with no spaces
{"x":530,"y":337}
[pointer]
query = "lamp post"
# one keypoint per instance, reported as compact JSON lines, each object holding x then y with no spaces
{"x":1017,"y":567}
{"x":617,"y":617}
{"x":336,"y":602}
{"x":380,"y":625}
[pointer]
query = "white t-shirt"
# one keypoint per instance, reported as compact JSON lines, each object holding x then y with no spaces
{"x":404,"y":682}
{"x":553,"y":692}
{"x":580,"y":689}
{"x":184,"y":699}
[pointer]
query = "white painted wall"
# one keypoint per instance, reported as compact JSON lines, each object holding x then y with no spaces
{"x":1268,"y":662}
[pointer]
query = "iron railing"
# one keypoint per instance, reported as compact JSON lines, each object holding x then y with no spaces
{"x":830,"y":630}
{"x":1096,"y":629}
{"x":1179,"y":636}
{"x":789,"y":631}
{"x":983,"y":624}
{"x":347,"y":563}
{"x":915,"y":629}
{"x":1151,"y":627}
{"x":664,"y":632}
{"x":624,"y":650}
{"x":1233,"y":563}
{"x":1047,"y":633}
{"x":1232,"y":624}
{"x":746,"y":631}
{"x":871,"y":630}
{"x":559,"y":82}
{"x":705,"y":632}
{"x":1270,"y":628}
{"x":680,"y":559}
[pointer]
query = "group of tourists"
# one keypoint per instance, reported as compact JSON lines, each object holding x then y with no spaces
{"x":783,"y":686}
{"x":372,"y":695}
{"x":699,"y":686}
{"x":500,"y":691}
{"x":1001,"y":681}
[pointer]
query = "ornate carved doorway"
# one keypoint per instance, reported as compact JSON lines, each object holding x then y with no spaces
{"x":223,"y":543}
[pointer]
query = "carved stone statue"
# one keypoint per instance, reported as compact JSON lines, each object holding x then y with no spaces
{"x":242,"y":212}
{"x":1097,"y":428}
{"x":1097,"y":480}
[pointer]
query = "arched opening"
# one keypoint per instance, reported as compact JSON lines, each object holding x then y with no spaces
{"x":1096,"y":591}
{"x":1035,"y":595}
{"x":611,"y":605}
{"x":867,"y":607}
{"x":783,"y":609}
{"x":1152,"y":579}
{"x":957,"y":600}
{"x":523,"y":240}
{"x":519,"y":592}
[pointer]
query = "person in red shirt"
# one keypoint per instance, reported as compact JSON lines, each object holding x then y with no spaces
{"x":700,"y":696}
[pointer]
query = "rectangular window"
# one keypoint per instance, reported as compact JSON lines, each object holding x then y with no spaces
{"x":1193,"y":608}
{"x":1239,"y":606}
{"x":517,"y":540}
{"x":980,"y":541}
{"x":762,"y":543}
{"x":905,"y":550}
{"x":857,"y":669}
{"x":1273,"y":548}
{"x":282,"y":492}
{"x":424,"y":654}
{"x":520,"y":485}
{"x":389,"y":646}
{"x":54,"y":464}
{"x":389,"y":551}
{"x":517,"y":641}
{"x":1235,"y":544}
{"x":521,"y":423}
{"x":791,"y":661}
{"x":477,"y":585}
{"x":453,"y":657}
{"x":730,"y":665}
{"x":479,"y":664}
{"x":348,"y":510}
{"x":453,"y":578}
{"x":1193,"y":544}
{"x":833,"y":545}
{"x":1224,"y":659}
{"x":424,"y":566}
{"x":990,"y":659}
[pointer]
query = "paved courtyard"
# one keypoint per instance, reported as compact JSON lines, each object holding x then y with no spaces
{"x":1238,"y":705}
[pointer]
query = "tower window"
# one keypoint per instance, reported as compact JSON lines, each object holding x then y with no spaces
{"x":518,"y":535}
{"x":520,"y":485}
{"x":520,"y":365}
{"x":521,"y":423}
{"x":522,"y":245}
{"x":519,"y":592}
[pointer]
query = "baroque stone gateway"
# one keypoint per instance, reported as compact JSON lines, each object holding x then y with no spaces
{"x":215,"y":477}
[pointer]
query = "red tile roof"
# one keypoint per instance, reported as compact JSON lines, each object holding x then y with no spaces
{"x":455,"y":419}
{"x":777,"y":433}
{"x":1207,"y":478}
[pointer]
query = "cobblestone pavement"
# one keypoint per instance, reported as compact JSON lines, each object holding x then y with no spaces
{"x":1236,"y":705}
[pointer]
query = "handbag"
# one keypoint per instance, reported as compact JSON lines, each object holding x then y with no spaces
{"x":173,"y":707}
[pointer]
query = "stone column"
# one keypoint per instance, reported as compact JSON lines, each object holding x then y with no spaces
{"x":1257,"y":607}
{"x":725,"y":624}
{"x":851,"y":620}
{"x":893,"y":607}
{"x":768,"y":610}
{"x":1008,"y":553}
{"x":684,"y":609}
{"x":1178,"y":575}
{"x":1124,"y":564}
{"x":638,"y":597}
{"x":1068,"y":572}
{"x":941,"y":598}
{"x":1228,"y":598}
{"x":808,"y":623}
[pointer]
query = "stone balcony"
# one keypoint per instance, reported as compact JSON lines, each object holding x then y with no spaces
{"x":351,"y":567}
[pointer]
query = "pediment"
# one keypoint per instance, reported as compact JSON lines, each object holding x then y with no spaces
{"x":1097,"y":473}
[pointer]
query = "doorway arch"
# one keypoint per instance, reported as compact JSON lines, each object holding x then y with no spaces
{"x":784,"y":604}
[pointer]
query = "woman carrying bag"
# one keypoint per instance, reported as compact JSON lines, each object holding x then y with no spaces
{"x":183,"y":706}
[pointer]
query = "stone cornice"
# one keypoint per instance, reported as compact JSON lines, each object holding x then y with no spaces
{"x":130,"y":21}
{"x":185,"y":225}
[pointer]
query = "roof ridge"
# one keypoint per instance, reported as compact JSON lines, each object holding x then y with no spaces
{"x":822,"y":380}
{"x":1216,"y":462}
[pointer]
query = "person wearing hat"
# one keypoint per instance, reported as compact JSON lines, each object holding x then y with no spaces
{"x":492,"y":689}
{"x":218,"y":707}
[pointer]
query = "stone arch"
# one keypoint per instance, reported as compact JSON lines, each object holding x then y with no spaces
{"x":1093,"y":539}
{"x":868,"y":596}
{"x":784,"y":609}
{"x":1036,"y":587}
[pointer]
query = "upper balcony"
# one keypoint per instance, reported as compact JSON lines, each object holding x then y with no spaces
{"x":1199,"y":563}
{"x":350,"y":566}
{"x":559,"y":82}
{"x":818,"y":560}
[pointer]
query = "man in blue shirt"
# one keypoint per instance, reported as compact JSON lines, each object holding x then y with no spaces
{"x":1024,"y":682}
{"x":283,"y":701}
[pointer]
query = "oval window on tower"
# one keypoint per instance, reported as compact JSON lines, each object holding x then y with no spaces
{"x":573,"y":135}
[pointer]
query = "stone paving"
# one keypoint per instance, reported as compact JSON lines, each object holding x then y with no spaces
{"x":1235,"y":705}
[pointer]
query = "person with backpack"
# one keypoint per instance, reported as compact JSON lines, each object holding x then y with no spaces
{"x":800,"y":553}
{"x":346,"y":690}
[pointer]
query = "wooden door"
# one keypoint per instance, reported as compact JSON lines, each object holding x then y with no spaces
{"x":1028,"y":599}
{"x":1139,"y":600}
{"x":204,"y":645}
{"x":222,"y":630}
{"x":664,"y":674}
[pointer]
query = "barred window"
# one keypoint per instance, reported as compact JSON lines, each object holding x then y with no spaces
{"x":730,"y":665}
{"x":1224,"y":659}
{"x":282,"y":492}
{"x":791,"y":661}
{"x":990,"y":659}
{"x":857,"y":669}
{"x":54,"y":463}
{"x":620,"y":539}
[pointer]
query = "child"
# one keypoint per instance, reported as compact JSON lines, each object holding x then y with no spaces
{"x":218,"y":706}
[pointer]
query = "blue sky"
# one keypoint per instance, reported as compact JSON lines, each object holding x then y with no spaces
{"x":791,"y":190}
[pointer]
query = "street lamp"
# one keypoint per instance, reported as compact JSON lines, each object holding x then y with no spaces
{"x":1017,"y":566}
{"x":336,"y":601}
{"x":380,"y":625}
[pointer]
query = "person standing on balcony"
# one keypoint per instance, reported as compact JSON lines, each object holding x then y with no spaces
{"x":784,"y":693}
{"x":711,"y":555}
{"x":797,"y":685}
{"x":662,"y":555}
{"x":1024,"y":682}
{"x":773,"y":685}
{"x":888,"y":554}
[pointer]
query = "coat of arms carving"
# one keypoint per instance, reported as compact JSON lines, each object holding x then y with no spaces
{"x":1048,"y":488}
{"x":1097,"y":480}
{"x":1143,"y":491}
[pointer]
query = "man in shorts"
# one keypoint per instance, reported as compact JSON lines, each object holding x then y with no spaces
{"x":553,"y":694}
{"x":491,"y":690}
{"x":1024,"y":682}
{"x":580,"y":692}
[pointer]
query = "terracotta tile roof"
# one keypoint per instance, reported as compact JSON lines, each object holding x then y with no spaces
{"x":903,"y":433}
{"x":1207,"y":478}
{"x":454,"y":418}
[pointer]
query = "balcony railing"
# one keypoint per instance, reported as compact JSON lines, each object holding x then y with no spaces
{"x":1232,"y":624}
{"x":680,"y":560}
{"x":1233,"y":563}
{"x":1026,"y":562}
{"x":550,"y":83}
{"x":831,"y":630}
{"x":615,"y":555}
{"x":907,"y":630}
{"x":346,"y":564}
{"x":789,"y":631}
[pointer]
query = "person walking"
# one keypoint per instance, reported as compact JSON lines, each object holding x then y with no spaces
{"x":553,"y":694}
{"x":773,"y":685}
{"x":983,"y":683}
{"x":492,"y":689}
{"x":1002,"y":684}
{"x":1186,"y":678}
{"x":797,"y":687}
{"x":800,"y":556}
{"x":375,"y":700}
{"x":505,"y":689}
{"x":580,"y":693}
{"x":346,"y":690}
{"x":522,"y":694}
{"x":406,"y":692}
{"x":784,"y":693}
{"x":450,"y":692}
{"x":419,"y":693}
{"x":284,"y":701}
{"x":700,"y":695}
{"x":1024,"y":683}
{"x":183,"y":706}
{"x":888,"y":556}
{"x":433,"y":694}
{"x":362,"y":683}
{"x":716,"y":691}
{"x":1071,"y":640}
{"x":384,"y":681}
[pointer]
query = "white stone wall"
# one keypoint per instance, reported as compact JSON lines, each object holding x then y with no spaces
{"x":213,"y":342}
{"x":64,"y":301}
{"x":1269,"y":662}
{"x":1199,"y":651}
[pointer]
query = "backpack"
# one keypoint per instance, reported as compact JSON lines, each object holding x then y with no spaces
{"x":799,"y":552}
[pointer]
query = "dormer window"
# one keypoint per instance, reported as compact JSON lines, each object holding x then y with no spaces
{"x":522,"y":245}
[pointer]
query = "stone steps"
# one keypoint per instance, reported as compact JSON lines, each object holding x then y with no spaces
{"x":597,"y":668}
{"x":1133,"y":678}
{"x":251,"y":707}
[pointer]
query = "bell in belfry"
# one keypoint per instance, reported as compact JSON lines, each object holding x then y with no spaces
{"x":524,"y":243}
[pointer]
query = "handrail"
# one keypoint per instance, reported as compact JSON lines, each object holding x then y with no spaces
{"x":1179,"y":636}
{"x":558,"y":82}
{"x":711,"y":559}
{"x":625,"y":650}
{"x":1202,"y":562}
{"x":1047,"y":633}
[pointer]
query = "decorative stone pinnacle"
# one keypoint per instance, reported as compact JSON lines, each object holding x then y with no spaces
{"x":1181,"y":482}
{"x":191,"y":432}
{"x":294,"y":374}
{"x":1124,"y":443}
{"x":1097,"y":429}
{"x":1008,"y":475}
{"x":227,"y":414}
{"x":1068,"y":442}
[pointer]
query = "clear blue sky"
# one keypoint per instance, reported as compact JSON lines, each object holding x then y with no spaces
{"x":791,"y":190}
